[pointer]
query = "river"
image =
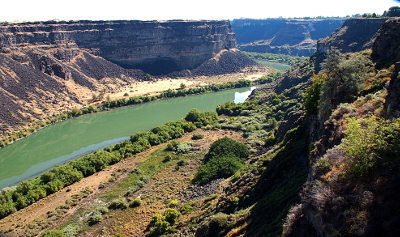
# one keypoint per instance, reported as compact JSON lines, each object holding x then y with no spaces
{"x":64,"y":141}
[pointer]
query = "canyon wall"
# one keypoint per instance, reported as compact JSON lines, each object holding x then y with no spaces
{"x":296,"y":37}
{"x":158,"y":47}
{"x":356,"y":34}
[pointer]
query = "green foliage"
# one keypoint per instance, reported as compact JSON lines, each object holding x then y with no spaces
{"x":392,"y":12}
{"x":53,"y":233}
{"x":312,"y":94}
{"x":200,"y":118}
{"x":171,"y":215}
{"x":184,"y":148}
{"x":224,"y":158}
{"x":173,"y":203}
{"x":232,"y":109}
{"x":217,"y":167}
{"x":218,"y":225}
{"x":186,"y":209}
{"x":95,"y":218}
{"x":136,"y":202}
{"x":344,"y":79}
{"x":279,"y":58}
{"x":163,"y":223}
{"x":197,"y":136}
{"x":372,"y":143}
{"x":322,"y":166}
{"x":226,"y":146}
{"x":173,"y":145}
{"x":119,"y":203}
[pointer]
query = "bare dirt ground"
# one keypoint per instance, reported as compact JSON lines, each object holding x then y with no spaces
{"x":19,"y":220}
{"x":161,"y":84}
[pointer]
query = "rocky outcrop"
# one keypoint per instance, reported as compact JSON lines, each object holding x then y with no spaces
{"x":386,"y":47}
{"x":355,"y":35}
{"x":296,"y":37}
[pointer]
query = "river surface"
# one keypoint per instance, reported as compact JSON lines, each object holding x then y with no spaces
{"x":67,"y":140}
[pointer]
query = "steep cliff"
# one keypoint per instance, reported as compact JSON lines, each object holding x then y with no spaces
{"x":157,"y":47}
{"x":296,"y":37}
{"x":355,"y":35}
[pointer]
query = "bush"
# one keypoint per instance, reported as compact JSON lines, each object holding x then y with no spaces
{"x":53,"y":233}
{"x":119,"y":203}
{"x":95,"y":218}
{"x":372,"y":143}
{"x":173,"y":145}
{"x":184,"y":148}
{"x":217,"y":167}
{"x":187,"y":209}
{"x":167,"y":158}
{"x":173,"y":203}
{"x":171,"y":215}
{"x":197,"y":136}
{"x":227,"y":146}
{"x":136,"y":202}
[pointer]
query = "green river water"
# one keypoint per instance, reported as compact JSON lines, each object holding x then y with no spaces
{"x":72,"y":138}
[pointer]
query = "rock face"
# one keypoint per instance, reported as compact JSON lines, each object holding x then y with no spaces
{"x":386,"y":47}
{"x":356,"y":34}
{"x":157,"y":47}
{"x":296,"y":37}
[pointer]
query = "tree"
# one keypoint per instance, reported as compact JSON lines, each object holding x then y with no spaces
{"x":312,"y":94}
{"x":393,"y":12}
{"x":344,"y":79}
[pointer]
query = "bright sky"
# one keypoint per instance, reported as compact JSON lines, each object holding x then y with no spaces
{"x":28,"y":10}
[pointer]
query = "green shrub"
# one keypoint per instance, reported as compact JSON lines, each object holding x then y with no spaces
{"x":95,"y":218}
{"x":372,"y":143}
{"x":227,"y":146}
{"x":171,"y":215}
{"x":197,"y":136}
{"x":173,"y":145}
{"x":119,"y":203}
{"x":217,"y":167}
{"x":322,"y":166}
{"x":53,"y":233}
{"x":184,"y":148}
{"x":218,"y":225}
{"x":173,"y":203}
{"x":186,"y":209}
{"x":167,"y":158}
{"x":136,"y":202}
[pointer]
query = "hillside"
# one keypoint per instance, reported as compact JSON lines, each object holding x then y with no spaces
{"x":295,"y":37}
{"x":321,"y":158}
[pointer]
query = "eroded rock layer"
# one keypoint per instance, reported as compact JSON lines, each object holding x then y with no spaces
{"x":157,"y":47}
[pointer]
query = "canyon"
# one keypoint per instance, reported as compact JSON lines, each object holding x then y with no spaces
{"x":47,"y":68}
{"x":295,"y":37}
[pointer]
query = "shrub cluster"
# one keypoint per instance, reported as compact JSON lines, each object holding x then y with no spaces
{"x":164,"y":223}
{"x":224,"y":158}
{"x":372,"y":143}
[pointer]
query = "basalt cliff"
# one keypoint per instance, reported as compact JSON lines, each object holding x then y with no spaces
{"x":44,"y":64}
{"x":296,"y":37}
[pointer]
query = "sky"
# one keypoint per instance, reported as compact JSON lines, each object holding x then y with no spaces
{"x":41,"y":10}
